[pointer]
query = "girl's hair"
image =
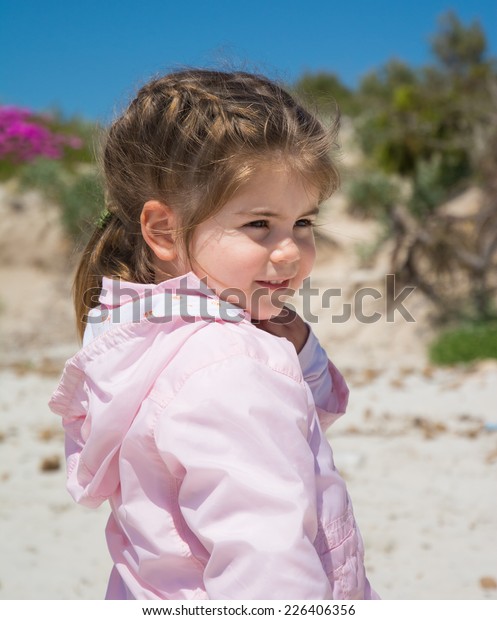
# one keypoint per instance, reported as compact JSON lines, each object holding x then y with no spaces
{"x":190,"y":140}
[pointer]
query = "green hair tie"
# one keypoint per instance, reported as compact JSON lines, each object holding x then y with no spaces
{"x":104,"y":219}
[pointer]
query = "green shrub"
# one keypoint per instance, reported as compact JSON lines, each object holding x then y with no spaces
{"x":55,"y":156}
{"x":79,"y":194}
{"x":435,"y":180}
{"x":46,"y":175}
{"x":467,"y":343}
{"x":372,"y":194}
{"x":81,"y":202}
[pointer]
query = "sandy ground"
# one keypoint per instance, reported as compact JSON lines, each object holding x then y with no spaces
{"x":418,"y":446}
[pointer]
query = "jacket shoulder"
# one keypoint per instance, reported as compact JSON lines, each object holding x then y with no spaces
{"x":217,"y":342}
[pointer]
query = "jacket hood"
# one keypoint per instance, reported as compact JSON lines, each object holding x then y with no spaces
{"x":126,"y":345}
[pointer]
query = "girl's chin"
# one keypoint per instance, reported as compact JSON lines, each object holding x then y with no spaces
{"x":259,"y":307}
{"x":265,"y":314}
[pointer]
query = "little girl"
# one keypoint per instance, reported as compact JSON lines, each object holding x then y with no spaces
{"x":198,"y":404}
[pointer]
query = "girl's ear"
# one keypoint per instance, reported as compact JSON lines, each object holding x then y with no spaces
{"x":159,"y":225}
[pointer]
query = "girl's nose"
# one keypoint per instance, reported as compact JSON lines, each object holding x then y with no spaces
{"x":285,"y":252}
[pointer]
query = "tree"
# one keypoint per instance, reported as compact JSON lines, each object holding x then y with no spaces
{"x":325,"y":91}
{"x":459,"y":48}
{"x":436,"y":128}
{"x":421,"y":124}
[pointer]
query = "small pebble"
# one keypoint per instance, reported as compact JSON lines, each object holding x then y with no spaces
{"x":488,"y":583}
{"x":50,"y":463}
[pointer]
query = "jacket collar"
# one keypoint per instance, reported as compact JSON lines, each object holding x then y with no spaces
{"x":116,"y":292}
{"x":185,"y":297}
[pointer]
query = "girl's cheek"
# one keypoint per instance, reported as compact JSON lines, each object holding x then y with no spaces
{"x":309,"y":253}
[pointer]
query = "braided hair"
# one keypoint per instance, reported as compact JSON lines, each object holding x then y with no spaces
{"x":190,"y":140}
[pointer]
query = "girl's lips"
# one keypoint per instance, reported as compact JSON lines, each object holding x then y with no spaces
{"x":273,"y":287}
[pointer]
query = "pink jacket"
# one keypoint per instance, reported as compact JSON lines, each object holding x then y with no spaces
{"x":206,"y":435}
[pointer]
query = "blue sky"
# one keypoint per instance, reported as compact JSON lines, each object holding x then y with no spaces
{"x":87,"y":57}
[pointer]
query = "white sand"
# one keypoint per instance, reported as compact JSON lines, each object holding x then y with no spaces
{"x":420,"y":466}
{"x":419,"y":461}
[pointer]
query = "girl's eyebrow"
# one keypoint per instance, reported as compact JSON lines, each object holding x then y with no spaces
{"x":264,"y":213}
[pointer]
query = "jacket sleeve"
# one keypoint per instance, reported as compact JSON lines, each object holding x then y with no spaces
{"x":328,"y":387}
{"x":236,"y":437}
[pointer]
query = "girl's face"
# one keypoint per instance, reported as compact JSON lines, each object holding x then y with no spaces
{"x":259,"y":248}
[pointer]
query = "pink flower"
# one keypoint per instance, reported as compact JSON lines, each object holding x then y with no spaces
{"x":24,"y":136}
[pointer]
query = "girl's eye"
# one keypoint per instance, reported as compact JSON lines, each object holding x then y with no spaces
{"x":304,"y":223}
{"x":258,"y":224}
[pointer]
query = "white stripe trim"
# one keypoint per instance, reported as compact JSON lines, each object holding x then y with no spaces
{"x":160,"y":308}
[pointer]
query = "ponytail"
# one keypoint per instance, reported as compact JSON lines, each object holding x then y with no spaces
{"x":109,"y":252}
